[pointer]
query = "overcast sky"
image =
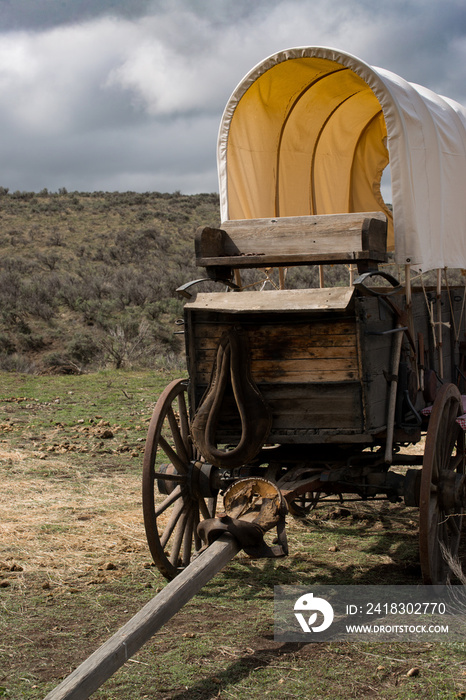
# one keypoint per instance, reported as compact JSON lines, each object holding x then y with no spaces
{"x":128,"y":94}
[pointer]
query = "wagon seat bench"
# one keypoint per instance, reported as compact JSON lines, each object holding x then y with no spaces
{"x":315,"y":390}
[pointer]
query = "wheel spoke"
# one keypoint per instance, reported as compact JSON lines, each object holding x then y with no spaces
{"x":204,"y":510}
{"x":188,"y":540}
{"x":457,"y":462}
{"x":179,"y":533}
{"x":176,"y":434}
{"x":172,"y":456}
{"x":184,"y":423}
{"x":170,"y":477}
{"x":170,"y":526}
{"x":453,"y":525}
{"x":175,"y":494}
{"x":197,"y":540}
{"x":212,"y":506}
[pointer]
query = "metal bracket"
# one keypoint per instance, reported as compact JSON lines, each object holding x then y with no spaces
{"x":183,"y":290}
{"x":252,"y":507}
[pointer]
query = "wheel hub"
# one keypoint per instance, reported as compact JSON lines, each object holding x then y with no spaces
{"x":199,"y":479}
{"x":451,"y":491}
{"x":200,"y":482}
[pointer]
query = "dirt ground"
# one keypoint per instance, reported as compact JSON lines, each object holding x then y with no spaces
{"x":74,"y":566}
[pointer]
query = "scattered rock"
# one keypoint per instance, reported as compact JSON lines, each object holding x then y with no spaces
{"x":106,"y":434}
{"x":339,"y":513}
{"x":413,"y":671}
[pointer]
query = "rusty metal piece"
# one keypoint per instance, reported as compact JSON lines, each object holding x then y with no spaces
{"x":252,"y":507}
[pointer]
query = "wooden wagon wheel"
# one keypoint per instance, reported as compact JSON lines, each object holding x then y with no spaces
{"x":440,"y":503}
{"x":176,"y":491}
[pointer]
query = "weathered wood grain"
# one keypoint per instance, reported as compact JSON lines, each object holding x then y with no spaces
{"x":294,"y":240}
{"x":276,"y":301}
{"x":295,"y":351}
{"x":302,"y":406}
{"x":292,"y":371}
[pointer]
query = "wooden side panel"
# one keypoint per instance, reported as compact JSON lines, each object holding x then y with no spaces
{"x":287,"y":353}
{"x":306,"y":370}
{"x":302,"y":411}
{"x":327,"y":374}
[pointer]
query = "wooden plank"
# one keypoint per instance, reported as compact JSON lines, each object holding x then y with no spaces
{"x":291,"y":369}
{"x":282,"y":353}
{"x":310,"y":436}
{"x":287,"y":260}
{"x":340,"y":342}
{"x":331,"y":332}
{"x":301,"y":407}
{"x":321,"y":406}
{"x":292,"y":351}
{"x":274,"y":301}
{"x":273,"y":366}
{"x":103,"y":663}
{"x":293,"y":240}
{"x":283,"y":374}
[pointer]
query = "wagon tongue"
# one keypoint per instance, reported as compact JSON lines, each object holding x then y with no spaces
{"x":252,"y":507}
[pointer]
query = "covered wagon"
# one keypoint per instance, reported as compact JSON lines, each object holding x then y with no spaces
{"x":331,"y":338}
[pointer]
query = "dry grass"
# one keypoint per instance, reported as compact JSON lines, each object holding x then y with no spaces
{"x":66,"y":530}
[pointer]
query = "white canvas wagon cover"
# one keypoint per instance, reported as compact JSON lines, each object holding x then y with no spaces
{"x":310,"y":130}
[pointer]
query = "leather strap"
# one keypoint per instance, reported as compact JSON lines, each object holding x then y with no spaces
{"x":232,"y":365}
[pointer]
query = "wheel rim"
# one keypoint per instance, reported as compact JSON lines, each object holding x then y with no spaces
{"x":440,"y":524}
{"x":175,"y":484}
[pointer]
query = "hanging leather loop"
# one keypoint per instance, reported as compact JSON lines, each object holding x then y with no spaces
{"x":232,"y":366}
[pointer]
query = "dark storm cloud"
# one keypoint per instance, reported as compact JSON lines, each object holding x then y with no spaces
{"x":45,"y":14}
{"x":128,"y":94}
